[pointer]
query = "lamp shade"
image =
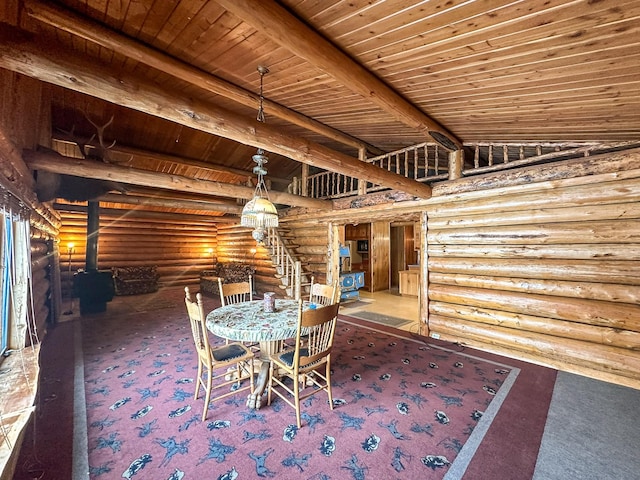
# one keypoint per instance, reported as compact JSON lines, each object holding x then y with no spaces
{"x":259,"y":212}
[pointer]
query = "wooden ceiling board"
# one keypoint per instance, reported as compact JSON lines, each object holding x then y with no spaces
{"x":175,"y":35}
{"x":155,"y":20}
{"x":435,"y":32}
{"x":505,"y":70}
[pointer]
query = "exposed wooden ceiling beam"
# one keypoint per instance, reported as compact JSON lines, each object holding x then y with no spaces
{"x":284,"y":28}
{"x":37,"y":59}
{"x":154,"y":192}
{"x":171,"y":203}
{"x":70,"y":22}
{"x":69,"y":207}
{"x":52,"y":162}
{"x":163,"y":157}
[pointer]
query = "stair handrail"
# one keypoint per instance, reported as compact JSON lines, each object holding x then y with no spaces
{"x":286,"y":265}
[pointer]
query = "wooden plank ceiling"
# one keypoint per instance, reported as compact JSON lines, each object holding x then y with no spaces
{"x":477,"y":70}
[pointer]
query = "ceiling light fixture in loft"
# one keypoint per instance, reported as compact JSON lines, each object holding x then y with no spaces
{"x":259,"y":213}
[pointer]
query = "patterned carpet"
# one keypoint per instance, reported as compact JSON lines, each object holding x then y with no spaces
{"x":404,"y":409}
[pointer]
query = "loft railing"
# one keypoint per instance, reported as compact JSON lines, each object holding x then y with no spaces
{"x":427,"y":162}
{"x":423,"y":162}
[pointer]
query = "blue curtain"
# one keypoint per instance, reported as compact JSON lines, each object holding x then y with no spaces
{"x":7,"y":261}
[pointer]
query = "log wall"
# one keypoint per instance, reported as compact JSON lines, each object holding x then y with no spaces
{"x":551,"y":276}
{"x":32,"y":127}
{"x":180,"y":249}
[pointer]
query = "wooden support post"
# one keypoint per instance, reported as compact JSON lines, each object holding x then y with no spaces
{"x":362,"y":183}
{"x":336,"y":237}
{"x":304,"y":188}
{"x":456,"y":163}
{"x":423,"y":290}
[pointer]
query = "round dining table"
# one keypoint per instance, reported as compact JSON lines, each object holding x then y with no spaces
{"x":249,"y":322}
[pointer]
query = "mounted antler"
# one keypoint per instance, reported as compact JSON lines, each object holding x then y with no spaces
{"x":52,"y":185}
{"x":102,"y":150}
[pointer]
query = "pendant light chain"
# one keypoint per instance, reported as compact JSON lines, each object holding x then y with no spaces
{"x":259,"y":213}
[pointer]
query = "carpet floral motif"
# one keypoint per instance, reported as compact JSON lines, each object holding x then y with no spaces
{"x":403,"y":409}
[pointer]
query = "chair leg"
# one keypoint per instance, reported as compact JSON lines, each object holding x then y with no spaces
{"x":296,"y":391}
{"x":198,"y":380}
{"x":328,"y":377}
{"x":208,"y":395}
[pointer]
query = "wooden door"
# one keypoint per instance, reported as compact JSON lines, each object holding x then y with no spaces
{"x":380,"y":256}
{"x":397,"y":256}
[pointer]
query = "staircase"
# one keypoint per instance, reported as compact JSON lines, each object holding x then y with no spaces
{"x":288,"y":267}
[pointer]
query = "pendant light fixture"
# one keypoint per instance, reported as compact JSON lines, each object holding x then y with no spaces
{"x":259,"y":213}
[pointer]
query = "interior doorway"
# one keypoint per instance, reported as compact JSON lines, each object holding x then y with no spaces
{"x":397,"y":260}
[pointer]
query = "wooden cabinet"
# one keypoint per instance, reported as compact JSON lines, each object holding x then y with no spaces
{"x":409,"y":282}
{"x":357,"y":232}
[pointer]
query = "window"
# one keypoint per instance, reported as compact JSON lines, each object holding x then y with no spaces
{"x":15,"y":273}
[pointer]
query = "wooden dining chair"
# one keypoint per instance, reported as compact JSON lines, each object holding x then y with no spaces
{"x":231,"y":293}
{"x":302,"y":362}
{"x":322,"y":294}
{"x":213,"y":363}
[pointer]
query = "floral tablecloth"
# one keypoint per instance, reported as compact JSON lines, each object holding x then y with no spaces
{"x":248,"y":322}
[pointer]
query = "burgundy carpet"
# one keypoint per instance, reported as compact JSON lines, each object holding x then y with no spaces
{"x":404,"y":409}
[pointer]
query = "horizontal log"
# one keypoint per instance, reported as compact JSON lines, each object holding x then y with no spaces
{"x":155,"y":258}
{"x":609,"y":292}
{"x":524,"y":178}
{"x":164,"y":241}
{"x":590,"y":312}
{"x":195,"y":221}
{"x":577,"y":251}
{"x":39,"y":263}
{"x":604,"y":231}
{"x":81,"y":222}
{"x":305,"y":241}
{"x":529,"y":323}
{"x":187,"y":250}
{"x":608,"y":271}
{"x":40,"y":289}
{"x":585,"y":370}
{"x":618,"y":185}
{"x":38,"y":247}
{"x":599,"y":357}
{"x":312,"y":249}
{"x":207,"y":217}
{"x":550,"y":214}
{"x":112,"y":198}
{"x":115,"y":229}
